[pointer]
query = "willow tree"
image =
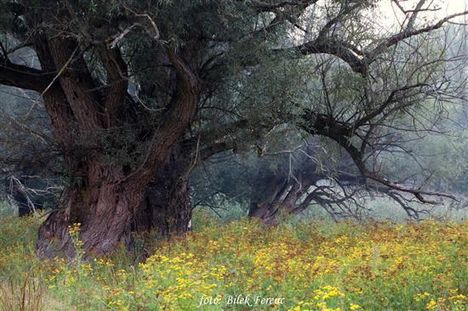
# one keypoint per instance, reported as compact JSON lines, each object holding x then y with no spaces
{"x":123,"y":83}
{"x":88,"y":56}
{"x":374,"y":112}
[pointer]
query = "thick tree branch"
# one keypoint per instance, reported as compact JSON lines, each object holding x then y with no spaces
{"x":263,"y":6}
{"x":23,"y":77}
{"x":76,"y":83}
{"x":117,"y":80}
{"x":360,"y":60}
{"x":335,"y":47}
{"x":175,"y":120}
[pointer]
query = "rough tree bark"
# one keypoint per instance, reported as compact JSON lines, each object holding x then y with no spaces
{"x":167,"y":207}
{"x":101,"y":204}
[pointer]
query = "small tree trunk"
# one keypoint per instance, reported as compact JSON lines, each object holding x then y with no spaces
{"x":172,"y":209}
{"x":167,"y":207}
{"x":281,"y":196}
{"x":264,"y":211}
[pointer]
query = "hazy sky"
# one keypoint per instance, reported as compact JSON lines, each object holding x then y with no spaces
{"x":391,"y":15}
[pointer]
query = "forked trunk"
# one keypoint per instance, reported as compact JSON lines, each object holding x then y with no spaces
{"x":104,"y":198}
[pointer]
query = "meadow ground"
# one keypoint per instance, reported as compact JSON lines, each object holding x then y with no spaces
{"x":242,"y":265}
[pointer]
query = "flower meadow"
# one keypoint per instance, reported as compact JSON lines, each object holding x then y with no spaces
{"x":242,"y":265}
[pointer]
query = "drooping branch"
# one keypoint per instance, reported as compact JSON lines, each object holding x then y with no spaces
{"x":417,"y":192}
{"x":341,"y":133}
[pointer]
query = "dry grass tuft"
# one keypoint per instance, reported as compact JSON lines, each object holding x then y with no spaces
{"x":25,"y":295}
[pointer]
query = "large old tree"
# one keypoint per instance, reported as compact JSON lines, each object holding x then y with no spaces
{"x":126,"y":86}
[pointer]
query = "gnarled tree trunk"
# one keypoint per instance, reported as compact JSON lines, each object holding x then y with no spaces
{"x":106,"y":195}
{"x":281,"y":196}
{"x":101,"y":204}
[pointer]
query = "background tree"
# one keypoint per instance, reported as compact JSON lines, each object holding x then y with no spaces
{"x":405,"y":99}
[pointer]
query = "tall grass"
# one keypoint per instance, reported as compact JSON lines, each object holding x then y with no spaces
{"x":300,"y":265}
{"x":6,"y":209}
{"x":24,"y":295}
